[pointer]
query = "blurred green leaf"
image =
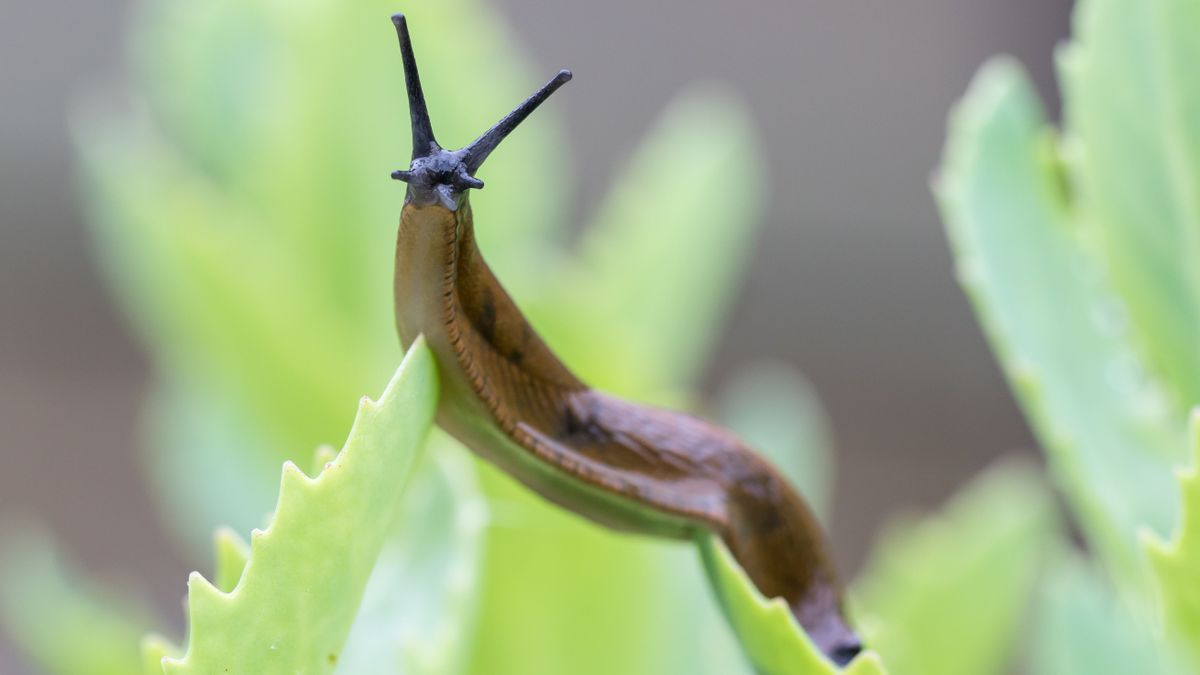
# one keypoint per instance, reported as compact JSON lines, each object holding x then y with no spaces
{"x":560,"y":591}
{"x":561,"y":594}
{"x":1176,"y":564}
{"x":225,"y":309}
{"x":771,"y":638}
{"x":1081,"y":627}
{"x":191,"y":431}
{"x":660,"y":262}
{"x":65,"y":624}
{"x":155,"y":648}
{"x":232,"y":554}
{"x":293,"y":606}
{"x":418,"y":611}
{"x":946,"y":595}
{"x":1131,"y":104}
{"x":1110,"y":434}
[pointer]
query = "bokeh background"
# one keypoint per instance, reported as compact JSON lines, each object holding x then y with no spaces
{"x":850,"y":280}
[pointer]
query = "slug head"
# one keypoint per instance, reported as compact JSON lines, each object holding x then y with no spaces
{"x":440,"y":176}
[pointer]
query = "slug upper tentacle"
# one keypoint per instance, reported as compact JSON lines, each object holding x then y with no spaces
{"x":506,"y":396}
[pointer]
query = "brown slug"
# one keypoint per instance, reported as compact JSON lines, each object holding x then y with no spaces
{"x":510,"y":400}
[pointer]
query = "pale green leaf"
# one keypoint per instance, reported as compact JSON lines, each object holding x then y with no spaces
{"x":947,"y":595}
{"x":660,"y":262}
{"x":293,"y":606}
{"x":64,"y":623}
{"x":1081,"y":627}
{"x":155,"y":648}
{"x":1176,"y":564}
{"x":1108,"y":429}
{"x":324,"y":455}
{"x":1131,"y":103}
{"x":559,"y":591}
{"x":418,"y":612}
{"x":225,"y":305}
{"x":232,"y":467}
{"x":232,"y":553}
{"x":769,"y":635}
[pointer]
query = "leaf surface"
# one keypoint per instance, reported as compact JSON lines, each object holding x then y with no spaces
{"x":947,"y":594}
{"x":1106,"y":424}
{"x":1176,"y":563}
{"x":65,"y":623}
{"x":1081,"y":626}
{"x":293,"y":606}
{"x":1131,"y":100}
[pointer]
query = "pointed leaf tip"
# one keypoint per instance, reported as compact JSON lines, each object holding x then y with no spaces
{"x":301,"y":586}
{"x":1175,"y":563}
{"x":232,"y":552}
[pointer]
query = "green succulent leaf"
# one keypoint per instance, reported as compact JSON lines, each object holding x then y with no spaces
{"x":293,"y":606}
{"x":156,"y":648}
{"x":946,"y":595}
{"x":64,"y":623}
{"x":192,"y":431}
{"x":1106,"y":424}
{"x":663,"y":257}
{"x":658,"y":266}
{"x":1080,"y":626}
{"x":1176,"y":564}
{"x":573,"y":589}
{"x":769,"y":635}
{"x":217,"y":295}
{"x":1131,"y":102}
{"x":419,"y":608}
{"x":232,"y":553}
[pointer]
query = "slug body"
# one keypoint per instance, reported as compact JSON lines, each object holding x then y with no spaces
{"x":506,"y":396}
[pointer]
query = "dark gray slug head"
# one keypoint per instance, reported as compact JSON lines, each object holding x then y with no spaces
{"x":440,"y":176}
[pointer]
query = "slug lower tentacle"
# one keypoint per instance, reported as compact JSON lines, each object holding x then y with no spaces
{"x":506,"y":396}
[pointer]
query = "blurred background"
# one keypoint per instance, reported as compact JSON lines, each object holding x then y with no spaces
{"x":850,"y":279}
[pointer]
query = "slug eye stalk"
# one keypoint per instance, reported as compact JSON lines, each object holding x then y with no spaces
{"x":440,"y":176}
